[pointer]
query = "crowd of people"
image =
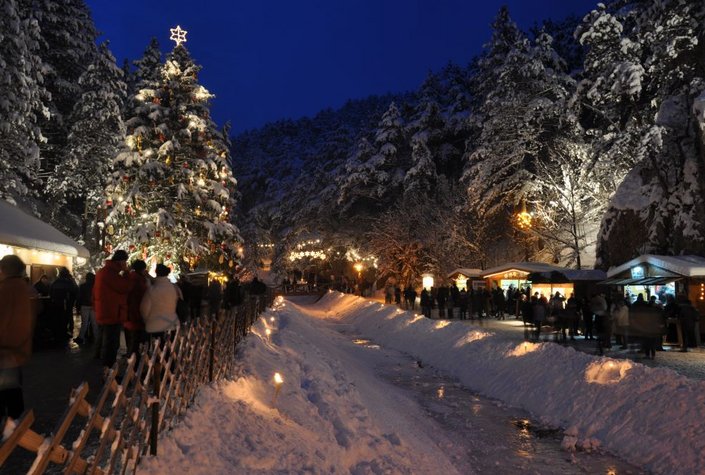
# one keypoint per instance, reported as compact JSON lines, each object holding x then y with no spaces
{"x":117,"y":300}
{"x":611,"y":319}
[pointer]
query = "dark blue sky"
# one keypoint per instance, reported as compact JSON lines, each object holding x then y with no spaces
{"x":272,"y":59}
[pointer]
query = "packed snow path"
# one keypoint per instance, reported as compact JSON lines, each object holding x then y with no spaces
{"x":348,"y":405}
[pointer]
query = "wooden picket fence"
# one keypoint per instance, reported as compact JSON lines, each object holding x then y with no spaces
{"x":156,"y":387}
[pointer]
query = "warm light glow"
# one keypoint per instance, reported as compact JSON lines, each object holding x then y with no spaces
{"x":524,"y":220}
{"x":427,"y":281}
{"x":267,"y":331}
{"x":278,"y":379}
{"x":607,"y":371}
{"x":358,"y":267}
{"x":6,"y":250}
{"x":441,"y":392}
{"x":524,"y":348}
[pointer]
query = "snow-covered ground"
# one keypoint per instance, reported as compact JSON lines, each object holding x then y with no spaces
{"x":340,"y":411}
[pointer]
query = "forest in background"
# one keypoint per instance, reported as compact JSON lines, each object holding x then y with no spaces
{"x":579,"y":142}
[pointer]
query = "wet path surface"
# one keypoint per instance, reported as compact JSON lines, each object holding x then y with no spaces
{"x":491,"y":438}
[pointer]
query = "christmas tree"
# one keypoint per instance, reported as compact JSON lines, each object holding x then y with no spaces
{"x":172,"y":190}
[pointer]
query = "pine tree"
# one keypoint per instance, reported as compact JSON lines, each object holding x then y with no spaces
{"x":660,"y":136}
{"x":96,"y":133}
{"x":378,"y":172}
{"x":172,"y":192}
{"x":147,"y":75}
{"x":421,"y":178}
{"x":22,"y":100}
{"x":525,"y":86}
{"x":67,"y":48}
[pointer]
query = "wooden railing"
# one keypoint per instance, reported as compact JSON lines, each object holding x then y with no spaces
{"x":155,"y":388}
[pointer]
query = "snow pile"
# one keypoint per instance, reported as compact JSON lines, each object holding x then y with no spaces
{"x":649,"y":416}
{"x":333,"y":415}
{"x":329,"y":417}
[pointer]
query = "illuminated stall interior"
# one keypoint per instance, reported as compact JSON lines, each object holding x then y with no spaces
{"x":43,"y":248}
{"x":514,"y":274}
{"x":660,"y":276}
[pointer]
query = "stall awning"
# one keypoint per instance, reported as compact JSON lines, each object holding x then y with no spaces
{"x":20,"y":229}
{"x":642,"y":281}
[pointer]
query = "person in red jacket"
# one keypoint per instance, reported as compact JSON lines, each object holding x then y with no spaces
{"x":134,"y":325}
{"x":110,"y":290}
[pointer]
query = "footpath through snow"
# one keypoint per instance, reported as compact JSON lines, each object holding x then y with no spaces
{"x":332,"y":416}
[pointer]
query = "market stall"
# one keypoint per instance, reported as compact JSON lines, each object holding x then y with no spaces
{"x":43,"y":248}
{"x":659,"y":276}
{"x":464,"y":278}
{"x":514,"y":274}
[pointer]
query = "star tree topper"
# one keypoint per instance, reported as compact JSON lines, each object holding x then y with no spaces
{"x":178,"y":35}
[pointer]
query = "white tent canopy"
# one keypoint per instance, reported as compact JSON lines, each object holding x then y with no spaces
{"x":20,"y":229}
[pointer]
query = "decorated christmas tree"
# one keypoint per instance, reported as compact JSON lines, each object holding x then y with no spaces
{"x":172,"y":189}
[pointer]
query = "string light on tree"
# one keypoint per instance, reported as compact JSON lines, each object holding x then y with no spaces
{"x":173,"y":198}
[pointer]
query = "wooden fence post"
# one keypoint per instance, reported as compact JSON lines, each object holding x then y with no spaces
{"x":154,"y":433}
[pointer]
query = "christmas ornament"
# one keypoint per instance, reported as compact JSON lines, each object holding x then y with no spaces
{"x":178,"y":35}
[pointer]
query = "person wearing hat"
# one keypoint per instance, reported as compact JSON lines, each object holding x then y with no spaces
{"x":158,"y":306}
{"x":110,"y":290}
{"x":16,"y":327}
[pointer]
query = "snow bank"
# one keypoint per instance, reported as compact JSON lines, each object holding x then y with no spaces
{"x":330,"y":415}
{"x":652,"y":417}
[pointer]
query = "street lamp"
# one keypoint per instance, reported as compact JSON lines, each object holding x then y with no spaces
{"x":524,"y":221}
{"x":358,"y":267}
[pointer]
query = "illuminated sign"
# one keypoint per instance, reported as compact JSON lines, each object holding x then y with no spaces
{"x":637,"y":272}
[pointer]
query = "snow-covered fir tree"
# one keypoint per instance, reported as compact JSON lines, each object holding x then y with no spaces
{"x":658,"y":207}
{"x":146,"y":75}
{"x":525,"y":86}
{"x":23,"y":99}
{"x":97,"y":131}
{"x":67,"y":48}
{"x":379,"y":174}
{"x":421,"y":178}
{"x":172,"y":191}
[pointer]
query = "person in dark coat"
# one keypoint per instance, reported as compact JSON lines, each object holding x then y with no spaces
{"x":84,"y":307}
{"x":110,"y":291}
{"x":426,"y":303}
{"x":215,"y":297}
{"x":527,"y":316}
{"x":463,"y":304}
{"x":688,"y":316}
{"x":410,"y":296}
{"x":442,"y":299}
{"x":233,"y":298}
{"x":135,"y":334}
{"x":43,"y":286}
{"x":62,"y":298}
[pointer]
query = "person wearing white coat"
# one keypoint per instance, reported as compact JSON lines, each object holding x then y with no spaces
{"x":158,"y":305}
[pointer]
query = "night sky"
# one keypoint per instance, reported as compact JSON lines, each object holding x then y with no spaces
{"x":267,"y":60}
